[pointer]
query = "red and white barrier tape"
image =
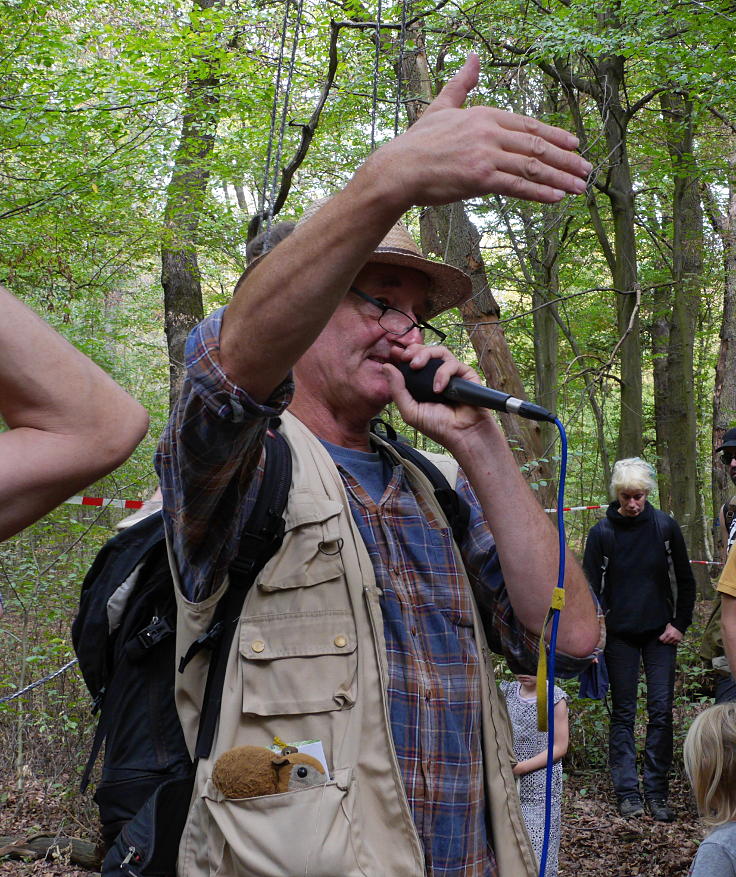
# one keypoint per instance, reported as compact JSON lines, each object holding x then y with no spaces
{"x":136,"y":504}
{"x":100,"y":501}
{"x":578,"y":508}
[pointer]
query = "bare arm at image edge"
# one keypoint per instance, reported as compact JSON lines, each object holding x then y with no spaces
{"x":68,"y":422}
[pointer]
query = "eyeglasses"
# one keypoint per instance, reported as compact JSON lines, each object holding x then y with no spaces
{"x":726,"y":457}
{"x":397,"y":323}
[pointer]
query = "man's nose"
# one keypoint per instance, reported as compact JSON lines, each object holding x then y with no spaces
{"x":413,"y":336}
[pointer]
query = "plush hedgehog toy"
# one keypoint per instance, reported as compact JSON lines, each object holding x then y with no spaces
{"x":251,"y":771}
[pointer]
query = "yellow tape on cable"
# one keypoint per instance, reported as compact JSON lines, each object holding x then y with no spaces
{"x":558,"y":602}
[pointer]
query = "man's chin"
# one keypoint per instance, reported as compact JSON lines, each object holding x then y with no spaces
{"x":373,"y":401}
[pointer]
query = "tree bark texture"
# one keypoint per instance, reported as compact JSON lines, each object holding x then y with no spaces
{"x":448,"y":232}
{"x":724,"y":400}
{"x":180,"y":277}
{"x":687,"y":270}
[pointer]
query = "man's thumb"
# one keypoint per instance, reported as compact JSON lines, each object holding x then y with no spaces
{"x":454,"y":93}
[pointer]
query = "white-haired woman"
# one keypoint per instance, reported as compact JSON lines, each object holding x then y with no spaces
{"x":637,"y":563}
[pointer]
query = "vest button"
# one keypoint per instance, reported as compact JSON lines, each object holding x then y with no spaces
{"x":258,"y":645}
{"x":341,"y":641}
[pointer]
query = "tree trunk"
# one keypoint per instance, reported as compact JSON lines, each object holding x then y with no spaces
{"x":448,"y":232}
{"x":660,"y":332}
{"x":543,"y":245}
{"x":79,"y":852}
{"x":620,"y":191}
{"x":724,"y":400}
{"x":687,"y":270}
{"x":606,"y":87}
{"x":180,"y":276}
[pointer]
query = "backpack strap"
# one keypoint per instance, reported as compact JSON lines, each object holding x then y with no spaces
{"x":663,"y":523}
{"x":608,"y":537}
{"x":729,"y":518}
{"x":260,"y":540}
{"x":454,"y":508}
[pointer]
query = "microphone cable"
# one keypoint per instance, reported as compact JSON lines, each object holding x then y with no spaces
{"x":546,"y":669}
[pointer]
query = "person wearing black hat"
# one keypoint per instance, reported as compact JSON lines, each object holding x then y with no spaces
{"x":724,"y":653}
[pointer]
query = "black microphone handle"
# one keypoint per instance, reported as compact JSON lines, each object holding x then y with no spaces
{"x":419,"y":384}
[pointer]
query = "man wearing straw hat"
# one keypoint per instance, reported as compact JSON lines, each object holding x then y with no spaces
{"x":368,"y":633}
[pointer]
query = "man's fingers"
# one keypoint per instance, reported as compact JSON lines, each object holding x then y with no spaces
{"x":541,"y":149}
{"x":534,"y":128}
{"x":513,"y":186}
{"x":457,"y":89}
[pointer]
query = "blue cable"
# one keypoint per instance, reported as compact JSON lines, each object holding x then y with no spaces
{"x":552,"y":649}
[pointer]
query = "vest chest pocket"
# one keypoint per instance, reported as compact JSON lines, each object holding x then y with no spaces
{"x":298,"y":662}
{"x":310,"y":554}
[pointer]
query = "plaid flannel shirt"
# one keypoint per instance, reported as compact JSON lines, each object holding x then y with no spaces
{"x":209,"y":463}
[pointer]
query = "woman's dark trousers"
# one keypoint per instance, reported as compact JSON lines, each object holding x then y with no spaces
{"x":623,"y":658}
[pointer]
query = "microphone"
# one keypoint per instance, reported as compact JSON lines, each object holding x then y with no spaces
{"x":419,"y":384}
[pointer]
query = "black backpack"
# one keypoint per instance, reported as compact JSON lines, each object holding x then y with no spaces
{"x":124,"y":638}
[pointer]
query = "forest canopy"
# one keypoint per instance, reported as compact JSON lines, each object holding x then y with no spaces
{"x":141,"y":142}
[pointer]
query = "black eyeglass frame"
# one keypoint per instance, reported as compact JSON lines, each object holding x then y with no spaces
{"x":727,"y":456}
{"x":413,"y":324}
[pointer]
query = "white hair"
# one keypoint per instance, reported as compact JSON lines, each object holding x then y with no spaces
{"x":633,"y":473}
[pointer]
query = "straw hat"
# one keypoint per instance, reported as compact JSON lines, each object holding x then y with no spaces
{"x":448,"y":286}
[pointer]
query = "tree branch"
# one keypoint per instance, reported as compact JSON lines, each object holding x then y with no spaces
{"x":308,"y":130}
{"x":642,"y":102}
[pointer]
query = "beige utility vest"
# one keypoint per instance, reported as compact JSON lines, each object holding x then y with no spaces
{"x":308,"y":662}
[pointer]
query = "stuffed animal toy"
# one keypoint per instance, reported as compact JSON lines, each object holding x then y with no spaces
{"x":251,"y":771}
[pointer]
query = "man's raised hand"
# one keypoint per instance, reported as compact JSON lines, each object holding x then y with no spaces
{"x":453,"y":152}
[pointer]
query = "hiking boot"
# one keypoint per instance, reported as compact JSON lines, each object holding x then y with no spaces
{"x":631,"y":807}
{"x":659,"y":810}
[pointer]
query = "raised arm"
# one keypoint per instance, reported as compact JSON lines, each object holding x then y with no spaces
{"x":451,"y":153}
{"x":68,"y":422}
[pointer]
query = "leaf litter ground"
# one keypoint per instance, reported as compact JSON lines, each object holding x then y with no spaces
{"x":596,"y":841}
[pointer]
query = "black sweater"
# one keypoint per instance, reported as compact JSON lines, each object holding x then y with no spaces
{"x":638,"y":596}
